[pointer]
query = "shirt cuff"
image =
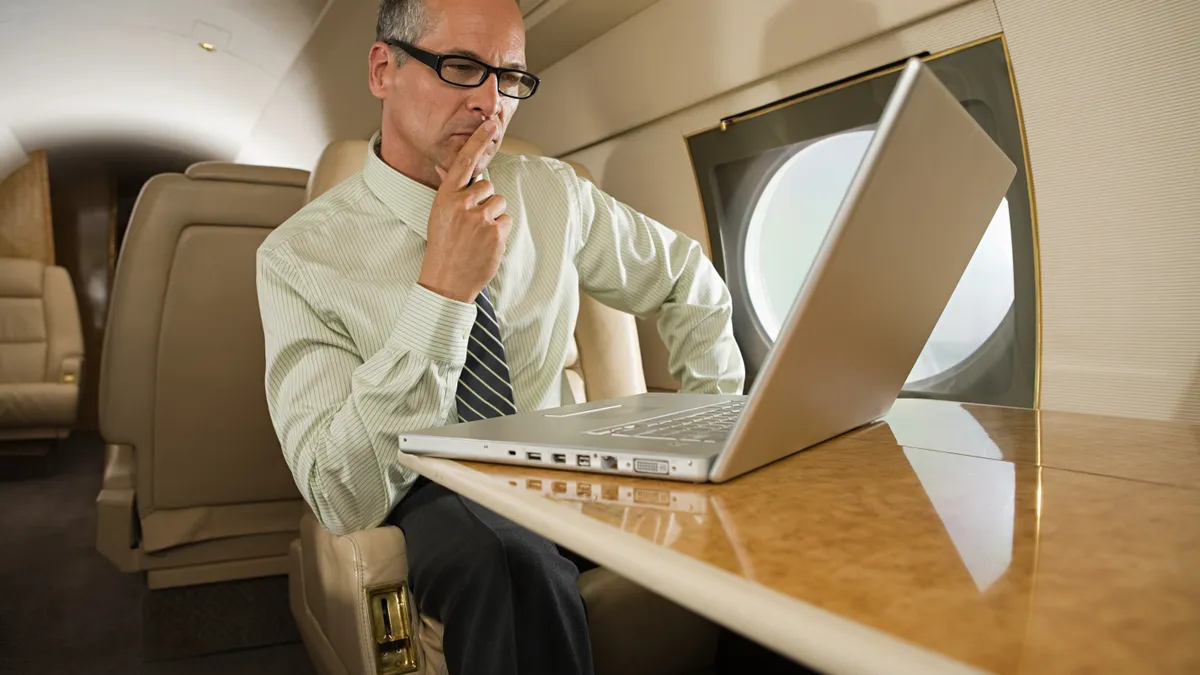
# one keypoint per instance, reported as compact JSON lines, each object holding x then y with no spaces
{"x":435,"y":326}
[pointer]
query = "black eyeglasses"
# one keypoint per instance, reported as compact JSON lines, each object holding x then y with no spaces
{"x":463,"y":71}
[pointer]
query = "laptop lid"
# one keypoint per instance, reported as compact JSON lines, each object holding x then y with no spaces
{"x":914,"y":214}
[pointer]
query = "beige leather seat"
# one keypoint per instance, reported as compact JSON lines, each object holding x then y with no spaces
{"x":41,"y":352}
{"x":195,"y":488}
{"x":340,"y":586}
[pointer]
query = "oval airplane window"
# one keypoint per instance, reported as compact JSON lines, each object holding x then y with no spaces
{"x":790,"y":220}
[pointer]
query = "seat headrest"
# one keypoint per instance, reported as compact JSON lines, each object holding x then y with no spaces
{"x":581,"y":170}
{"x":343,"y":159}
{"x":21,"y":278}
{"x":519,"y":146}
{"x":247,"y":173}
{"x":339,"y":161}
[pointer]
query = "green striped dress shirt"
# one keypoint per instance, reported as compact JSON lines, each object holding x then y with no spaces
{"x":357,"y":352}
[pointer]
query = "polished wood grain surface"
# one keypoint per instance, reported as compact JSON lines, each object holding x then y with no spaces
{"x":26,"y":229}
{"x":972,"y":551}
{"x":1146,"y":450}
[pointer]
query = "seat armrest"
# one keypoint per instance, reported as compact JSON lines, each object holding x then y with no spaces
{"x":63,"y":329}
{"x":68,"y":370}
{"x":341,"y":573}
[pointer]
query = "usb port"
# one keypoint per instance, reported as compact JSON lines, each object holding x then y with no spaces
{"x":583,"y":460}
{"x":535,"y":456}
{"x":560,"y":459}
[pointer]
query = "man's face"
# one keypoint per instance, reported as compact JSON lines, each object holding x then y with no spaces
{"x":429,"y":120}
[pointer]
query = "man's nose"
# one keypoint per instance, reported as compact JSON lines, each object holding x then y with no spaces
{"x":486,"y":97}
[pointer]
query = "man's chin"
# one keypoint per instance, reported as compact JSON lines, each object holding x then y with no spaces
{"x":455,"y":146}
{"x":448,"y":161}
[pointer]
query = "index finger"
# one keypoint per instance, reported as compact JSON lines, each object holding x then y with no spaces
{"x":468,"y":157}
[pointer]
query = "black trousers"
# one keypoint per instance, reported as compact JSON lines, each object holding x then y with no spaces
{"x":507,"y":597}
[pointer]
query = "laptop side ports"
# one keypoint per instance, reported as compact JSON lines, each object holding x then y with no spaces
{"x":657,"y":467}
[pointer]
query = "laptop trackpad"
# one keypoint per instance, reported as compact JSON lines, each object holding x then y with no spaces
{"x":599,"y":415}
{"x":591,"y":412}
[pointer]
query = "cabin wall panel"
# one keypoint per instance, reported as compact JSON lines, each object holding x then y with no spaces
{"x":12,"y":154}
{"x":85,"y":218}
{"x":1110,"y":90}
{"x":26,"y":226}
{"x":678,"y":53}
{"x":649,"y":167}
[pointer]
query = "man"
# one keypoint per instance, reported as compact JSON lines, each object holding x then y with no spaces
{"x":441,"y":284}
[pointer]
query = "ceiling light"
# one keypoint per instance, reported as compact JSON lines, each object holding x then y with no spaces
{"x":210,"y":38}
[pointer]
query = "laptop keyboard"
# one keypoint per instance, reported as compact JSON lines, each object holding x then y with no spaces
{"x":706,"y":424}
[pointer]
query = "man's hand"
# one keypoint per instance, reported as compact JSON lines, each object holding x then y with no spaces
{"x":468,"y":228}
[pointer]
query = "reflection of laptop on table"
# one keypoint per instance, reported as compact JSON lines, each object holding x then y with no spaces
{"x":648,"y":495}
{"x":657,"y":511}
{"x":914,"y":214}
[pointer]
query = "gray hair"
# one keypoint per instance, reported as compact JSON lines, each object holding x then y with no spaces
{"x":403,"y":20}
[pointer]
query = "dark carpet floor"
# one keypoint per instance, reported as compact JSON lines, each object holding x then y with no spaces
{"x":65,"y":609}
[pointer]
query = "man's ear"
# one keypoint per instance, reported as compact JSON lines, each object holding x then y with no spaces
{"x":379,"y":60}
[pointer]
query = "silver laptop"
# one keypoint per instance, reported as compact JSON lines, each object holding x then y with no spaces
{"x":915,"y":212}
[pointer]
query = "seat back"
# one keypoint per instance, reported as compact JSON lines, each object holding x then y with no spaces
{"x":183,"y":358}
{"x":607,"y":359}
{"x":41,"y":350}
{"x":603,"y":361}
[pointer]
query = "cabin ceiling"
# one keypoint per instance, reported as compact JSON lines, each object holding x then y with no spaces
{"x":555,"y":28}
{"x":103,"y":71}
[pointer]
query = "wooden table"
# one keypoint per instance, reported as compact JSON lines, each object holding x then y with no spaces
{"x":947,"y":538}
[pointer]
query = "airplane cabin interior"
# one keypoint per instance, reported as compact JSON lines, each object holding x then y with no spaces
{"x":1027,"y":503}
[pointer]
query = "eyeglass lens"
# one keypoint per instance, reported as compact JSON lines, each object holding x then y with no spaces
{"x":468,"y":73}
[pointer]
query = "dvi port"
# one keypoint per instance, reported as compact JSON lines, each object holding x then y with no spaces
{"x":655,"y":466}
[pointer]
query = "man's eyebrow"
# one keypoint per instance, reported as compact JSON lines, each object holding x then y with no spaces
{"x":516,"y":65}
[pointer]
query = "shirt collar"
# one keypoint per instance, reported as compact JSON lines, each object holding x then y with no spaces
{"x":405,"y":197}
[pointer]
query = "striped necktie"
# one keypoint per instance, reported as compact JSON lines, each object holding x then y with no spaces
{"x":484,"y":387}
